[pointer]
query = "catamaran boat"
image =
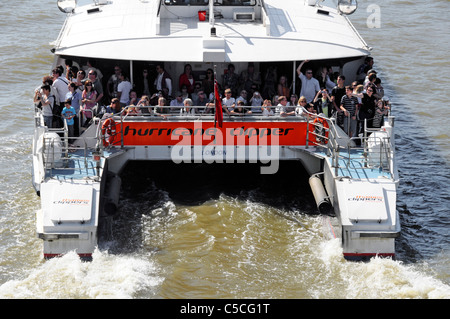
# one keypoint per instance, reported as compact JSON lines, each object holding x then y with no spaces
{"x":79,"y":182}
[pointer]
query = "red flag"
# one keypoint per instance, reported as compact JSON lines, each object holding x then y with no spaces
{"x":219,"y":114}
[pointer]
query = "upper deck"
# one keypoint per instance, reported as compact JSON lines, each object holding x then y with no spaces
{"x":270,"y":30}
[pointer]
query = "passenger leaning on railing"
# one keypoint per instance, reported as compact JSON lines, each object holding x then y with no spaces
{"x":267,"y":108}
{"x":381,"y":111}
{"x":285,"y":110}
{"x":114,"y":107}
{"x":349,"y":104}
{"x":144,"y":104}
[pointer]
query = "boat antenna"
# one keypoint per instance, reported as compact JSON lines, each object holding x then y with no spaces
{"x":212,"y":19}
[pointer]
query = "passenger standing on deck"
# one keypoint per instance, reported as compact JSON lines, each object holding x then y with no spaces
{"x":70,"y":65}
{"x":283,"y":87}
{"x":202,"y":100}
{"x":48,"y":103}
{"x":256,"y":102}
{"x":231,"y":79}
{"x":361,"y":72}
{"x":284,"y":109}
{"x":123,"y":90}
{"x":267,"y":108}
{"x":324,"y":79}
{"x":208,"y":82}
{"x":370,"y":81}
{"x":71,"y":74}
{"x":367,"y":110}
{"x":242,"y":97}
{"x":98,"y":87}
{"x":250,"y":80}
{"x":187,"y":109}
{"x":91,"y":66}
{"x":322,"y":103}
{"x":381,"y":111}
{"x":270,"y":81}
{"x":60,"y":86}
{"x":143,"y":83}
{"x":113,"y":82}
{"x":349,"y":104}
{"x":144,"y":104}
{"x":302,"y":106}
{"x":163,"y":80}
{"x":46,"y":80}
{"x":80,"y":79}
{"x":178,"y":101}
{"x":88,"y":98}
{"x":310,"y":85}
{"x":133,"y":98}
{"x":379,"y":90}
{"x":68,"y":114}
{"x":75,"y":97}
{"x":336,"y":96}
{"x":293,"y":100}
{"x":114,"y":107}
{"x":186,"y":78}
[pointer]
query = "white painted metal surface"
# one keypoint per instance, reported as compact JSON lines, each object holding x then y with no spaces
{"x":283,"y":30}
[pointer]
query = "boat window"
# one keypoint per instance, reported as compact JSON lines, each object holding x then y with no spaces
{"x":206,"y":2}
{"x":235,"y":2}
{"x":186,"y":2}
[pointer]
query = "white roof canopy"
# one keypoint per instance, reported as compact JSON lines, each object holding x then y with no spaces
{"x":285,"y":30}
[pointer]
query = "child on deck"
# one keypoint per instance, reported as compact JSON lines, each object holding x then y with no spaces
{"x":68,"y":113}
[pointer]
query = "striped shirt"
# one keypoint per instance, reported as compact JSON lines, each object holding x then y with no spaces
{"x":349,"y":104}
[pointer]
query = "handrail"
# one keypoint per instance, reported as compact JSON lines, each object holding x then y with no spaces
{"x":383,"y":154}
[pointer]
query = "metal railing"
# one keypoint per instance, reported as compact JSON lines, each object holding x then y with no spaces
{"x":373,"y":150}
{"x":58,"y":151}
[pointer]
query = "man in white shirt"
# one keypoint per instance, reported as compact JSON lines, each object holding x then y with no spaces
{"x":310,"y":85}
{"x":123,"y":90}
{"x":60,"y":85}
{"x":60,"y":88}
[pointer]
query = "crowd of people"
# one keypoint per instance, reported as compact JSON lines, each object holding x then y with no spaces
{"x":75,"y":94}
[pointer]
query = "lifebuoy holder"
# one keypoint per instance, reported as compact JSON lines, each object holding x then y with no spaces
{"x":320,"y":130}
{"x":108,"y":132}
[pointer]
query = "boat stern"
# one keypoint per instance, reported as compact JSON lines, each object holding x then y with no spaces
{"x":68,"y":218}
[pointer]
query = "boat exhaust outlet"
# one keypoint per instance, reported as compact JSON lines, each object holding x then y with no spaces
{"x":320,"y":195}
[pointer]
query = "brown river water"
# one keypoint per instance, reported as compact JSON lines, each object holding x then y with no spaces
{"x":228,"y":232}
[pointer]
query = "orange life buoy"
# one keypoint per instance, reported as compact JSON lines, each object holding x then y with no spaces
{"x":321,"y":130}
{"x":108,"y":132}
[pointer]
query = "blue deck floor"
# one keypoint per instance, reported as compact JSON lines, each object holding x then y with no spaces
{"x":352,"y":165}
{"x":79,"y":165}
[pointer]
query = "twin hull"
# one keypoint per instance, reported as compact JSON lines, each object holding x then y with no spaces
{"x":72,"y":209}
